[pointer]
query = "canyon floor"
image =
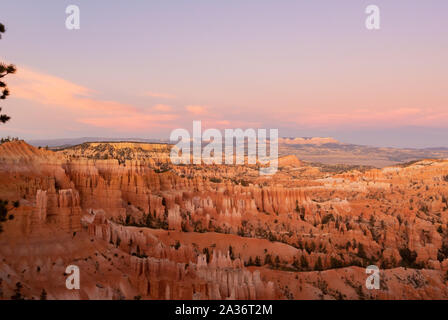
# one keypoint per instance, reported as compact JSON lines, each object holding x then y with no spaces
{"x":139,"y":227}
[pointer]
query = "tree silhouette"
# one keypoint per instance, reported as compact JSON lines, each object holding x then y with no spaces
{"x":5,"y":69}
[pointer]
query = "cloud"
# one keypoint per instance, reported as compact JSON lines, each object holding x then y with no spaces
{"x":196,"y":110}
{"x":367,"y":118}
{"x":80,"y":103}
{"x":162,"y":108}
{"x":158,"y":95}
{"x":50,"y":90}
{"x":131,"y":122}
{"x":233,"y":124}
{"x":61,"y":105}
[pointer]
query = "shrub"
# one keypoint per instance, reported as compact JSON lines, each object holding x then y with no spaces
{"x":18,"y":292}
{"x":303,"y":262}
{"x":268,"y":259}
{"x":43,"y":295}
{"x":207,"y":254}
{"x":3,"y":212}
{"x":361,"y":252}
{"x":443,"y":252}
{"x":277,"y":261}
{"x":231,"y":253}
{"x":318,"y":266}
{"x":327,"y":218}
{"x":335,"y":263}
{"x":408,"y":257}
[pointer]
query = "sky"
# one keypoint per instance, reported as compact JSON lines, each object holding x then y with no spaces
{"x":307,"y":68}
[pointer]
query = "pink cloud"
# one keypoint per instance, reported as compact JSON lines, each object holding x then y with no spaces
{"x":50,"y":90}
{"x":197,"y":110}
{"x":158,"y":95}
{"x":80,"y":105}
{"x":225,"y":124}
{"x":132,"y":122}
{"x":162,"y":107}
{"x":80,"y":101}
{"x":370,"y":118}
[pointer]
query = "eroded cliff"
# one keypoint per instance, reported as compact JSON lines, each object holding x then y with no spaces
{"x":139,"y":227}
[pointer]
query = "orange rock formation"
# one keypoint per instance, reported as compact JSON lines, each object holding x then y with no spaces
{"x":139,"y":227}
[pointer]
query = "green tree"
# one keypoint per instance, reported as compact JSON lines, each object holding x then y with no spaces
{"x":335,"y":263}
{"x":5,"y":69}
{"x":43,"y":295}
{"x":268,"y":259}
{"x":18,"y":292}
{"x":361,"y":252}
{"x":277,"y":261}
{"x":295,"y":263}
{"x":207,"y":254}
{"x":231,"y":253}
{"x":3,"y":212}
{"x":318,"y":266}
{"x":303,"y":262}
{"x":408,"y":257}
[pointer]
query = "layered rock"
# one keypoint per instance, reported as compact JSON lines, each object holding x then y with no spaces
{"x":140,"y":227}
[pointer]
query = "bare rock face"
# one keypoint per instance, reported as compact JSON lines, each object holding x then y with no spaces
{"x":139,"y":227}
{"x":290,"y":161}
